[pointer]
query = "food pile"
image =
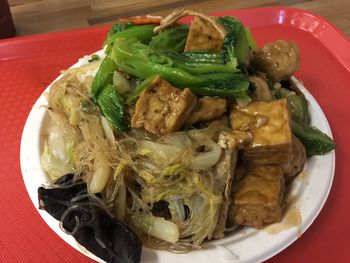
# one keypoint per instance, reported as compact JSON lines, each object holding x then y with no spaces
{"x":177,"y":134}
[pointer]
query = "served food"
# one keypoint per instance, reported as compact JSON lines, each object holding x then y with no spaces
{"x":176,"y":135}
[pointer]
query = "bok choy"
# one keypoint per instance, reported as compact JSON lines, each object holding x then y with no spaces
{"x":111,"y":105}
{"x":143,"y":33}
{"x":238,"y":41}
{"x":173,"y":38}
{"x":142,"y":61}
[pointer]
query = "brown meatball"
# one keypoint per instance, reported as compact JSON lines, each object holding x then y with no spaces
{"x":279,"y":59}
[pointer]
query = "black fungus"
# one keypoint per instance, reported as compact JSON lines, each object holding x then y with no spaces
{"x":56,"y":199}
{"x":88,"y":222}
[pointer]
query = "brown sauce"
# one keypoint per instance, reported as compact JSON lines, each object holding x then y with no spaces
{"x":291,"y":218}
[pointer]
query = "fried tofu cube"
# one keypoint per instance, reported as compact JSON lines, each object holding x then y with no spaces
{"x":162,"y":108}
{"x":203,"y":36}
{"x":207,"y":109}
{"x":257,"y":197}
{"x":269,"y":123}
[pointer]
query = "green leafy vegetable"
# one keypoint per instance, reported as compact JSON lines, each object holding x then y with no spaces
{"x":143,"y":33}
{"x":143,"y":62}
{"x":111,"y":105}
{"x":315,"y":141}
{"x":118,"y":27}
{"x":236,"y":42}
{"x":103,"y":77}
{"x":250,"y":39}
{"x":173,"y":38}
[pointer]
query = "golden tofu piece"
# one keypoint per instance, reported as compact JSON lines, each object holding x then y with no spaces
{"x":207,"y":109}
{"x":203,"y":36}
{"x":257,"y":197}
{"x":269,"y":123}
{"x":162,"y":108}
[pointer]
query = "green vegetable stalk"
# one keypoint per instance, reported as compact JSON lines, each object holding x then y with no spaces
{"x":105,"y":95}
{"x":202,"y":62}
{"x":104,"y":76}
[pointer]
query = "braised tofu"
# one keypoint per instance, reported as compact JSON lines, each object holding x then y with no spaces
{"x":203,"y":36}
{"x":207,"y":109}
{"x":162,"y":108}
{"x":295,"y":162}
{"x":257,"y":197}
{"x":269,"y":123}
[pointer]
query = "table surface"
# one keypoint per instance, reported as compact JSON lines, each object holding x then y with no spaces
{"x":325,"y":69}
{"x":39,"y":16}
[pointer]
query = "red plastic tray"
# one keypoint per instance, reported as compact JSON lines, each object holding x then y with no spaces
{"x":29,"y":64}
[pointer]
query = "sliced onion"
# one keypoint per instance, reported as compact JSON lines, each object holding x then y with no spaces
{"x":164,"y":230}
{"x":101,"y":174}
{"x":158,"y":227}
{"x":205,"y":160}
{"x":108,"y":130}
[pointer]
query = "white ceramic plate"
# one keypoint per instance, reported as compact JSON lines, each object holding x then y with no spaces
{"x":247,"y":245}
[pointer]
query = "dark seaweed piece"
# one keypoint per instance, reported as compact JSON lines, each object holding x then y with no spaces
{"x":86,"y":220}
{"x":57,"y":199}
{"x":99,"y":233}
